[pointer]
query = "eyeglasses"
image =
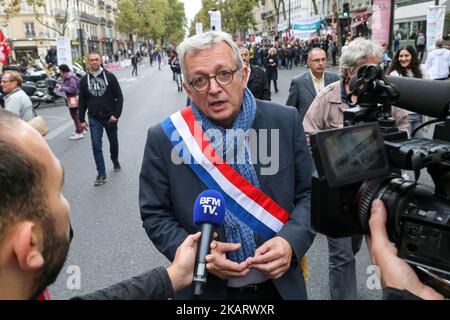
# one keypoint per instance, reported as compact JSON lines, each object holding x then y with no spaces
{"x":4,"y":81}
{"x":318,"y":60}
{"x":223,"y":78}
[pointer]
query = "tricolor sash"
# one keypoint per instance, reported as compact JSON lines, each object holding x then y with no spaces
{"x":249,"y":204}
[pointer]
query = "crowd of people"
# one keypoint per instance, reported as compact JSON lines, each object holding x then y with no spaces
{"x":259,"y":253}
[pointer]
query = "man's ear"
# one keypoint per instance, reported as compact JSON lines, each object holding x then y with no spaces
{"x":26,"y":246}
{"x":188,"y":90}
{"x":245,"y":74}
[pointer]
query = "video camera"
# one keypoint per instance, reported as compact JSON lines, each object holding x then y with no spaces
{"x":362,"y":162}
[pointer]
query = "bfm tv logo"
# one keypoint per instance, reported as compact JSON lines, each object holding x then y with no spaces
{"x":210,"y":205}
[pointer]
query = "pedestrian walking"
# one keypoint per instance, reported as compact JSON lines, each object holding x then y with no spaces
{"x":101,"y":96}
{"x":272,"y":68}
{"x":134,"y":63}
{"x":420,"y":46}
{"x":70,"y":87}
{"x":159,"y":57}
{"x":438,"y":62}
{"x":176,"y":69}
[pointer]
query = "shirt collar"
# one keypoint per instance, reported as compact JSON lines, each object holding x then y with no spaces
{"x":316,"y":79}
{"x":343,"y":92}
{"x":12,"y":92}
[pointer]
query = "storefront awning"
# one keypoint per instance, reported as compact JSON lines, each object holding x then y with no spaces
{"x":416,"y":12}
{"x":357,"y":23}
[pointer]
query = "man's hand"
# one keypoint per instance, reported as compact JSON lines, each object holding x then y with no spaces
{"x":273,"y":258}
{"x":219,"y":265}
{"x":181,"y":270}
{"x":395,"y":272}
{"x":84,"y":125}
{"x":112,"y":120}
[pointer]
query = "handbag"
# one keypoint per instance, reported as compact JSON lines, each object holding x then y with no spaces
{"x":73,"y":101}
{"x":39,"y":124}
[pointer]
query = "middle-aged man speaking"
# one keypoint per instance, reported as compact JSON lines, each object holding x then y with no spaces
{"x":266,"y":231}
{"x":306,"y":86}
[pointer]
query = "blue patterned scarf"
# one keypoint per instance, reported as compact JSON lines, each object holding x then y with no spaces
{"x":233,"y":146}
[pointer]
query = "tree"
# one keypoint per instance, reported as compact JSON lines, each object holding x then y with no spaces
{"x":13,"y":7}
{"x":175,"y":21}
{"x":316,"y":12}
{"x":127,"y":19}
{"x":237,"y":15}
{"x":152,"y":15}
{"x":152,"y":19}
{"x":277,"y":4}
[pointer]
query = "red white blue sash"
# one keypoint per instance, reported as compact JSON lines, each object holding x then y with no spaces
{"x":249,"y":204}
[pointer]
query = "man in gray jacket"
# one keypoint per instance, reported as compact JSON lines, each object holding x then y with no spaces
{"x":16,"y":100}
{"x":306,"y":86}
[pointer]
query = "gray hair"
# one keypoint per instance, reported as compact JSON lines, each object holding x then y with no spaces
{"x":205,"y":41}
{"x":439,"y":43}
{"x":357,"y":54}
{"x":314,"y":50}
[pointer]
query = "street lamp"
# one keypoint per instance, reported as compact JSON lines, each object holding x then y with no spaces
{"x":80,"y":33}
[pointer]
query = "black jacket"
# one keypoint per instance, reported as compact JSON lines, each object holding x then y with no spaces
{"x":258,"y":84}
{"x":102,"y":96}
{"x":151,"y":285}
{"x":167,"y":192}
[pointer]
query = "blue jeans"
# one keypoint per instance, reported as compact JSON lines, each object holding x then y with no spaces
{"x":96,"y":127}
{"x":414,"y":120}
{"x":342,"y":268}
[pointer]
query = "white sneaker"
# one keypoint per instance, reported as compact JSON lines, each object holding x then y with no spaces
{"x":76,"y":136}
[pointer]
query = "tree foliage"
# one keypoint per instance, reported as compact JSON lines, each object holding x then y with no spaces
{"x":175,"y":22}
{"x":127,"y":20}
{"x":237,"y":15}
{"x":152,"y":19}
{"x":13,"y":7}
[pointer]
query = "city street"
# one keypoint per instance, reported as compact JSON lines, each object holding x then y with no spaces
{"x":109,"y":243}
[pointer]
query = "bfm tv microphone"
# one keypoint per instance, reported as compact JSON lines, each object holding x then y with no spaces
{"x":209,"y":212}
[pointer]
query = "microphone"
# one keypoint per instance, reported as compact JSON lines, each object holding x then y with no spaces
{"x":427,"y":97}
{"x":209,"y":213}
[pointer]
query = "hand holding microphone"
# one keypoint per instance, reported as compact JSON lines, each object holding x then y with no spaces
{"x":209,"y":213}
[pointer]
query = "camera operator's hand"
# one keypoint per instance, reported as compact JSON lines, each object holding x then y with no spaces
{"x":395,"y":272}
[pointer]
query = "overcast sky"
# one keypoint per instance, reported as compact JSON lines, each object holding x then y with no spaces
{"x":191,"y":7}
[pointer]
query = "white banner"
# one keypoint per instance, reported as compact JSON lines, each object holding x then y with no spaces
{"x":64,"y":51}
{"x":216,"y":20}
{"x":435,"y":25}
{"x":198,"y":28}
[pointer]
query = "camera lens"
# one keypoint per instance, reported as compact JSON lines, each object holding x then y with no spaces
{"x":394,"y":191}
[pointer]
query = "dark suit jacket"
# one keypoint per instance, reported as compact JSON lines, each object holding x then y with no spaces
{"x":258,"y":84}
{"x":302,"y":91}
{"x":167,"y":193}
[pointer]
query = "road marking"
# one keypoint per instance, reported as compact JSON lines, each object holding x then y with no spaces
{"x":54,"y":117}
{"x":56,"y":132}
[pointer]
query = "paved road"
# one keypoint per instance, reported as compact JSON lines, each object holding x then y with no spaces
{"x":110,"y":243}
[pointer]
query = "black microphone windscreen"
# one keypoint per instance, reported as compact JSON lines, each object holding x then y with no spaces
{"x":427,"y":97}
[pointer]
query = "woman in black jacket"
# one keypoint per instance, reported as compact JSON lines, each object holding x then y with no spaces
{"x":272,"y":68}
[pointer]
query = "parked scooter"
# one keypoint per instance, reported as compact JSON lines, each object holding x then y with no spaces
{"x":45,"y":91}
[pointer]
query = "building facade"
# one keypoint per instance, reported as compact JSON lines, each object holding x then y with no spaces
{"x":95,"y":18}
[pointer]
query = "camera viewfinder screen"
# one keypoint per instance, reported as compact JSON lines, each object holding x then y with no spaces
{"x":355,"y":154}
